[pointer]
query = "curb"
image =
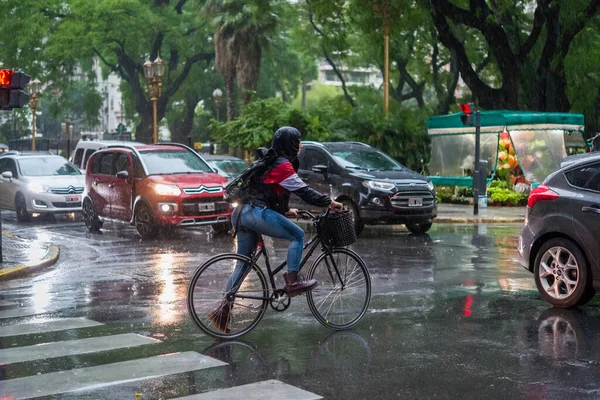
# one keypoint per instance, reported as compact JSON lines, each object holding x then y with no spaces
{"x":20,"y":271}
{"x":476,"y":220}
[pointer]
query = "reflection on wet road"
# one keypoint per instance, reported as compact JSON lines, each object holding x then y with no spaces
{"x":453,"y":315}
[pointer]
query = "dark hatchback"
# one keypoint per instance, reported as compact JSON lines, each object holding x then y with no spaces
{"x":376,"y":188}
{"x":560,"y":241}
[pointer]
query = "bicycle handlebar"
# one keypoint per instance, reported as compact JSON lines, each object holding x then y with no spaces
{"x":306,"y":214}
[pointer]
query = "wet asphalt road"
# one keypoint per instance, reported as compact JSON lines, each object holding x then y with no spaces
{"x":453,"y":315}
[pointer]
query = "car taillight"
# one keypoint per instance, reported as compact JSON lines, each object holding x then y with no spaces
{"x":541,"y":193}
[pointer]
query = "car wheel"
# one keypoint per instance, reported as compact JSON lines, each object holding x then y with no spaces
{"x":92,"y":222}
{"x":21,"y":208}
{"x":144,"y":222}
{"x":359,"y":224}
{"x":562,"y":275}
{"x":222,"y":227}
{"x":419,"y":229}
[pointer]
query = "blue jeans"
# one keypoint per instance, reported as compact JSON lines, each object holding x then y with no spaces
{"x":266,"y":222}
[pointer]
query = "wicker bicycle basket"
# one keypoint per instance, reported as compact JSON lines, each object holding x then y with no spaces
{"x":338,"y":229}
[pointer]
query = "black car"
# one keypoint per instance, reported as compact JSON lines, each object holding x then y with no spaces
{"x":375,"y":187}
{"x":226,"y":166}
{"x":560,"y":241}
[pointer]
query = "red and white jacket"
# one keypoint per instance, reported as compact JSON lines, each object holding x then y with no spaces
{"x":281,"y":180}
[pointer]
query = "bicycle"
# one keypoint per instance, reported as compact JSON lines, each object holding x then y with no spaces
{"x":344,"y":281}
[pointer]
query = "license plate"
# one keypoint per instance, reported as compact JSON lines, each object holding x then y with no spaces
{"x":415,"y":202}
{"x":72,"y":199}
{"x":206,"y":207}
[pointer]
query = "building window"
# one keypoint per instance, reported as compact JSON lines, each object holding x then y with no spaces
{"x":354,"y":77}
{"x":330,"y":76}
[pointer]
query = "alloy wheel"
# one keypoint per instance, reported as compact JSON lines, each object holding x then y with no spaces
{"x":143,"y":222}
{"x":559,"y":272}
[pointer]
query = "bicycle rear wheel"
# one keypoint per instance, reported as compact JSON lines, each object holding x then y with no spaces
{"x":332,"y":306}
{"x":207,"y":296}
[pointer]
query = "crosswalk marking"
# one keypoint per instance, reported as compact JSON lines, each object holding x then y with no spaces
{"x":4,"y":303}
{"x":73,"y":347}
{"x":271,"y":389}
{"x":46,"y":326}
{"x":117,"y":374}
{"x":22,"y":312}
{"x":104,"y":375}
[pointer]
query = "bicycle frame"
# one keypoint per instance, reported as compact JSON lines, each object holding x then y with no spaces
{"x":262,"y":251}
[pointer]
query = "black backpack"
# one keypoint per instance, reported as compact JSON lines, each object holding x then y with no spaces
{"x":245,"y":185}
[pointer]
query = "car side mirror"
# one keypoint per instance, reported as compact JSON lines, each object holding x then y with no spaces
{"x":123,"y":175}
{"x":320,"y":169}
{"x":7,"y":175}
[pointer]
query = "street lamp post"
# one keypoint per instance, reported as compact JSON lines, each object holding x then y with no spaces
{"x":154,"y":72}
{"x":34,"y":91}
{"x":217,"y":95}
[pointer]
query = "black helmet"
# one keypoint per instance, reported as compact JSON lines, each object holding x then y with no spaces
{"x":286,"y":142}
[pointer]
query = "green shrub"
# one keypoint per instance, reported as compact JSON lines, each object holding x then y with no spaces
{"x":506,"y":197}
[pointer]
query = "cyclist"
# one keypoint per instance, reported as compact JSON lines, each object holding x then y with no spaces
{"x":265,"y":213}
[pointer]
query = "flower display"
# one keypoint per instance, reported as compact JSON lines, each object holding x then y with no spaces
{"x":508,"y":168}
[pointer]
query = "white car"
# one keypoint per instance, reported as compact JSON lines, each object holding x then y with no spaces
{"x":85,"y":148}
{"x":37,"y":183}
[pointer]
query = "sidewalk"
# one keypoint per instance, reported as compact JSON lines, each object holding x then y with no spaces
{"x":450,"y":214}
{"x":22,"y":257}
{"x":463,"y":214}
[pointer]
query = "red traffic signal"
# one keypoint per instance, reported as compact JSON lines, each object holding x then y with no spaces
{"x":467,"y":108}
{"x":6,"y":77}
{"x":467,"y":116}
{"x":11,"y":89}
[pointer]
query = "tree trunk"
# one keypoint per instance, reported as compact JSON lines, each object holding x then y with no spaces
{"x":444,"y":107}
{"x":230,"y":94}
{"x":143,"y":132}
{"x":181,"y":131}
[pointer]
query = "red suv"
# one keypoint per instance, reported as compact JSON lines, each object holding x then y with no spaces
{"x":151,"y":186}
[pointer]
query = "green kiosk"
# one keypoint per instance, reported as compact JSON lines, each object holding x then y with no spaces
{"x":526,"y":146}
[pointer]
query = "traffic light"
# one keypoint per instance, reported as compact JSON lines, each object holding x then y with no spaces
{"x":467,"y":116}
{"x":11,"y":89}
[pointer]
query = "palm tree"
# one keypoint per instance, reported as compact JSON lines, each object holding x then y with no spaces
{"x":242,"y":31}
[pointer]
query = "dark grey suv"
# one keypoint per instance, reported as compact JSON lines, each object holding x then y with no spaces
{"x":376,"y":188}
{"x":560,"y":241}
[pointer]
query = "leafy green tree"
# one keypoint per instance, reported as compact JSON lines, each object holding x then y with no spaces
{"x":260,"y":119}
{"x":528,"y":48}
{"x":55,"y":37}
{"x":242,"y":32}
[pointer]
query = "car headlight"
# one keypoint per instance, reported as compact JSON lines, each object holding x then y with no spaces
{"x":430,"y":185}
{"x":36,"y":187}
{"x":385,"y":186}
{"x":167,"y":190}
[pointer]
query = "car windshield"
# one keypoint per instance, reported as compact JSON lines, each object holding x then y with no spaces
{"x":230,"y":168}
{"x":366,"y":160}
{"x":47,"y":166}
{"x":166,"y":162}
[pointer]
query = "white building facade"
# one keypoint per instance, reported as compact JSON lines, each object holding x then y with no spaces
{"x":112,"y":112}
{"x":356,"y":76}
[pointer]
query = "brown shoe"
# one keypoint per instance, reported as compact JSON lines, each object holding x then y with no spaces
{"x":294,"y":286}
{"x":220,"y":317}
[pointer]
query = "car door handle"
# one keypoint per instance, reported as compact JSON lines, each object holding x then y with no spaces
{"x":111,"y":185}
{"x":592,"y":209}
{"x":95,"y":182}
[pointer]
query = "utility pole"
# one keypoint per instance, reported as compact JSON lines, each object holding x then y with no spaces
{"x":384,"y":8}
{"x":476,"y":170}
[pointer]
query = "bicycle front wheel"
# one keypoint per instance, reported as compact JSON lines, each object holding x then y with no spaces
{"x":334,"y":306}
{"x":219,"y":313}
